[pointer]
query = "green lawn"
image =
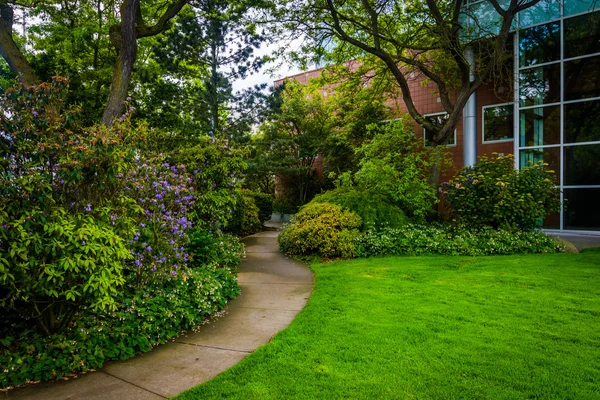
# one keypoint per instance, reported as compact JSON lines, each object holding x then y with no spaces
{"x":508,"y":327}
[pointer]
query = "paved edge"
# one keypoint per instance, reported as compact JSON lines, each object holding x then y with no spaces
{"x":274,"y":290}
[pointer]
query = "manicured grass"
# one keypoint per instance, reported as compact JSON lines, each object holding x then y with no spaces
{"x":508,"y":327}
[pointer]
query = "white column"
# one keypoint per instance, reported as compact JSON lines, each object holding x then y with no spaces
{"x":470,"y":118}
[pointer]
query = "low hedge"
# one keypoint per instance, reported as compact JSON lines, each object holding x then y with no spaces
{"x":446,"y":239}
{"x":146,"y":317}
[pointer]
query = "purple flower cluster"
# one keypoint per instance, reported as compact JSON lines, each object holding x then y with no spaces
{"x":166,"y":194}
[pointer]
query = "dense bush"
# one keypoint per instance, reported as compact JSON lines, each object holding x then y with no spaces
{"x":245,"y":220}
{"x":264,"y":202}
{"x":493,"y":193}
{"x":61,"y":245}
{"x":396,"y":166}
{"x":208,"y":247}
{"x":373,"y":208}
{"x":143,"y":319}
{"x":445,"y":239}
{"x":216,"y":169}
{"x":323,"y":229}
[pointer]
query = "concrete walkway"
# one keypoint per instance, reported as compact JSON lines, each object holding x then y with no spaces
{"x":274,"y":290}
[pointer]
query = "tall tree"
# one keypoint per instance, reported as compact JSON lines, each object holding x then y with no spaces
{"x":403,"y":38}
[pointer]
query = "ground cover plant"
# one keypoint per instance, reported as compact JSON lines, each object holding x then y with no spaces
{"x":446,"y":239}
{"x":434,"y":327}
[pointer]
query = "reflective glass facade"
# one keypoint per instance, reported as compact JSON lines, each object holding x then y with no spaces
{"x":557,"y":103}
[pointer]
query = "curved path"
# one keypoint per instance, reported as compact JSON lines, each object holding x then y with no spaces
{"x":274,"y":290}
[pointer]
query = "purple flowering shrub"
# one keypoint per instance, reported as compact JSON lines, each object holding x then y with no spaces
{"x":166,"y":195}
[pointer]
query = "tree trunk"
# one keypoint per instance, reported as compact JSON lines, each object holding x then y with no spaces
{"x":9,"y":50}
{"x":124,"y":39}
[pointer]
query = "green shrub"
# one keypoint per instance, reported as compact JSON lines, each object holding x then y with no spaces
{"x":63,"y":216}
{"x":493,"y":193}
{"x":207,"y":247}
{"x":323,"y":229}
{"x":145,"y":318}
{"x":445,"y":239}
{"x":372,"y":207}
{"x":245,"y":219}
{"x":264,"y":202}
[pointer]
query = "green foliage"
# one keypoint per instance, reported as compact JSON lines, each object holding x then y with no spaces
{"x":373,"y":208}
{"x":264,"y":202}
{"x":216,"y":168}
{"x":493,"y":193}
{"x":207,"y":247}
{"x":144,"y":319}
{"x":323,"y":229}
{"x":449,"y":240}
{"x":60,"y":186}
{"x":245,"y":220}
{"x":396,"y":166}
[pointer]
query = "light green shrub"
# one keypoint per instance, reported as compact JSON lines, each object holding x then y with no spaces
{"x":326,"y":230}
{"x":373,"y":208}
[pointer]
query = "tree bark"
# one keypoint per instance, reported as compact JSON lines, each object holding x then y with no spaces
{"x":123,"y":38}
{"x":9,"y":50}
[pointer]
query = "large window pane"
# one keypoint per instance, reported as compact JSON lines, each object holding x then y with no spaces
{"x":582,"y":165}
{"x":539,"y":44}
{"x":582,"y":121}
{"x":498,"y":123}
{"x":582,"y":35}
{"x":550,"y":156}
{"x":539,"y":126}
{"x":545,"y":10}
{"x":582,"y":78}
{"x":552,"y":221}
{"x":579,"y":6}
{"x":539,"y":85}
{"x":582,"y":209}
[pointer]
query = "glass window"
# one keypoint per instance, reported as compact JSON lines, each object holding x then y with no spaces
{"x":539,"y":126}
{"x":550,"y":156}
{"x":582,"y":35}
{"x":582,"y":165}
{"x":579,"y":6}
{"x":483,"y":19}
{"x":439,"y":120}
{"x":545,"y":10}
{"x":539,"y":44}
{"x":539,"y":85}
{"x":582,"y":209}
{"x":582,"y":78}
{"x":582,"y":122}
{"x":498,"y":123}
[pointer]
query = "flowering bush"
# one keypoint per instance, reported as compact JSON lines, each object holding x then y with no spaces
{"x":166,"y":195}
{"x":493,"y":193}
{"x":445,"y":239}
{"x":323,"y":229}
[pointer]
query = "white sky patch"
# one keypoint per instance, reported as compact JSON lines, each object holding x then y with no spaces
{"x":268,"y":73}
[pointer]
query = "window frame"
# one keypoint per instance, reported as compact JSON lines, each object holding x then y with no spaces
{"x":425,"y":130}
{"x":483,"y":108}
